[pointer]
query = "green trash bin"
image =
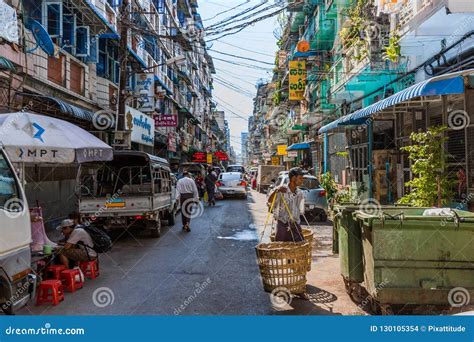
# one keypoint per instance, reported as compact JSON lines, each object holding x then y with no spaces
{"x":414,"y":259}
{"x":349,"y":244}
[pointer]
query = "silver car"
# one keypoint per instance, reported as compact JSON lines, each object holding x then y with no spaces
{"x":315,"y":201}
{"x":232,"y":184}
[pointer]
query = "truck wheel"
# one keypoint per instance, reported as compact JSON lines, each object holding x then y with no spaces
{"x":155,"y":228}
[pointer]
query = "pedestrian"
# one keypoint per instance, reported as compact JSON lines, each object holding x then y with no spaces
{"x":288,"y":206}
{"x":78,"y":245}
{"x":200,"y":185}
{"x":210,"y":181}
{"x":188,"y":195}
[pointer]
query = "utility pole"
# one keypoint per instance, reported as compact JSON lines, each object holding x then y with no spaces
{"x":122,"y":96}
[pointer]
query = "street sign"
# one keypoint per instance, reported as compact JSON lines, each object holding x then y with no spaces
{"x":281,"y":150}
{"x":275,"y":160}
{"x":166,"y":120}
{"x":297,"y":80}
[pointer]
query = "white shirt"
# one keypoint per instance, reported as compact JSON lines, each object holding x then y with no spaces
{"x":186,"y":186}
{"x":80,"y":235}
{"x":294,"y":202}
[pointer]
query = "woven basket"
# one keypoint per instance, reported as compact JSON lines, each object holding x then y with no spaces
{"x":283,"y":264}
{"x":308,"y":237}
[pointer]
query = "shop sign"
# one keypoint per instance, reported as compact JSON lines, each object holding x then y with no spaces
{"x":200,"y":157}
{"x":222,"y":156}
{"x":288,"y":159}
{"x":209,"y":158}
{"x":171,"y":142}
{"x":9,"y":27}
{"x":166,"y":120}
{"x":141,"y":126}
{"x":297,"y":80}
{"x":145,"y":89}
{"x":292,"y":154}
{"x":275,"y":160}
{"x":281,"y":150}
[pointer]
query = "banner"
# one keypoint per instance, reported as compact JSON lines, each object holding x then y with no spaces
{"x":171,"y":142}
{"x":281,"y":151}
{"x":145,"y":89}
{"x":297,"y":80}
{"x":9,"y":27}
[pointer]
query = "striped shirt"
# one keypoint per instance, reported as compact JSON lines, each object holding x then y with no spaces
{"x":294,"y":202}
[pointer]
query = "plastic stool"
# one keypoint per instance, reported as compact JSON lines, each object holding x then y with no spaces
{"x":72,"y":280}
{"x":90,"y":268}
{"x":50,"y":291}
{"x":53,"y":272}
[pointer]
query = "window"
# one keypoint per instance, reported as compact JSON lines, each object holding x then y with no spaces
{"x":69,"y":29}
{"x":77,"y":78}
{"x":82,"y":41}
{"x":53,"y":19}
{"x":107,"y":66}
{"x":8,"y":184}
{"x":56,"y":70}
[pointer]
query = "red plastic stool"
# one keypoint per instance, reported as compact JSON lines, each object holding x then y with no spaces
{"x":53,"y":272}
{"x":90,"y":268}
{"x":72,"y":280}
{"x":50,"y":291}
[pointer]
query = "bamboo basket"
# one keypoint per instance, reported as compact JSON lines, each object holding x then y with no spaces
{"x":283,"y":264}
{"x":308,"y":237}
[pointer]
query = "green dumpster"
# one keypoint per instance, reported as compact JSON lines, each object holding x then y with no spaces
{"x":414,"y":259}
{"x":348,"y":244}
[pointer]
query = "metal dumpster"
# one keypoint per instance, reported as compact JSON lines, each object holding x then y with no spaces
{"x":414,"y":259}
{"x":349,"y":243}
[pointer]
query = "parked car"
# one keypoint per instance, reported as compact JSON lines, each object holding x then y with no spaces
{"x":235,"y":168}
{"x":232,"y":184}
{"x":315,"y":201}
{"x":17,"y":281}
{"x":133,"y":188}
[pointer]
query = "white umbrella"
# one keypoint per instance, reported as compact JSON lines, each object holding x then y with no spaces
{"x":33,"y":138}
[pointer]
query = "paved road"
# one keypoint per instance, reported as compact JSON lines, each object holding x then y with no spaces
{"x":210,"y":271}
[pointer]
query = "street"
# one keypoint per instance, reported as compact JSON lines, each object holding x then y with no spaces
{"x":210,"y":271}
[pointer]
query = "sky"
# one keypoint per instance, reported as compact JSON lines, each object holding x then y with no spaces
{"x":258,"y":38}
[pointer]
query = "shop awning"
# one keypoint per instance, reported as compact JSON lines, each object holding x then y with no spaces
{"x":299,"y":146}
{"x":63,"y":107}
{"x":449,"y":84}
{"x":5,"y":64}
{"x":102,"y":18}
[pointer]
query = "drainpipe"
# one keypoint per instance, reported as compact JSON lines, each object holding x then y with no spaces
{"x":370,"y":166}
{"x":325,"y":158}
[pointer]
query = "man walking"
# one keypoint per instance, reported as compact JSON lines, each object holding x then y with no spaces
{"x":188,"y":195}
{"x":288,"y":206}
{"x":210,"y":181}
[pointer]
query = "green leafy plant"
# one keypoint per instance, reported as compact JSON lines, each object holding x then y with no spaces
{"x":343,"y":154}
{"x":432,"y":185}
{"x":393,"y":50}
{"x":328,"y":184}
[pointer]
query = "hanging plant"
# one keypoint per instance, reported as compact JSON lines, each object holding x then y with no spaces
{"x":392,"y":52}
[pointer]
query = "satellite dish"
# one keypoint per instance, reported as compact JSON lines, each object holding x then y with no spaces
{"x":43,"y":40}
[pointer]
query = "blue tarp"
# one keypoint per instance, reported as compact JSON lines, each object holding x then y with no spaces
{"x":443,"y":85}
{"x":300,"y":146}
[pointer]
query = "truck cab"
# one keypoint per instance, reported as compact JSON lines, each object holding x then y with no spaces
{"x":17,"y":281}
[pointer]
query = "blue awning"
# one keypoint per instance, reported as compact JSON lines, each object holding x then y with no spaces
{"x":138,"y":58}
{"x":441,"y":85}
{"x":299,"y":146}
{"x":157,"y":79}
{"x":64,"y":107}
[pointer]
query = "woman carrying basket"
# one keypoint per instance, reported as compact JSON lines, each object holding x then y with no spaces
{"x":288,"y":206}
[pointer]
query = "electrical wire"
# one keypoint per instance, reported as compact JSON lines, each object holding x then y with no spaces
{"x":226,"y":11}
{"x":240,"y":57}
